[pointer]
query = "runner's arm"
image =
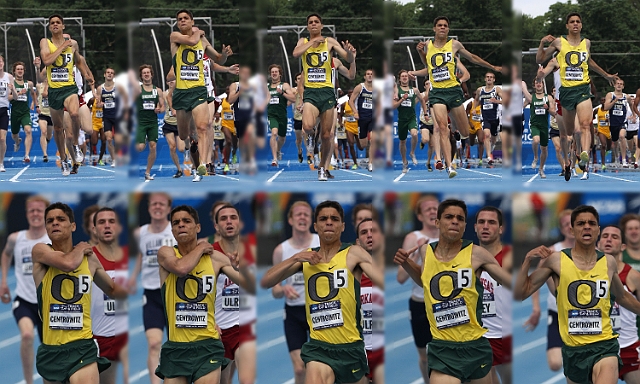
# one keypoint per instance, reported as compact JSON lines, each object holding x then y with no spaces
{"x":66,"y":262}
{"x":182,"y":266}
{"x":104,"y":281}
{"x":527,"y":284}
{"x":286,"y":268}
{"x":352,"y":100}
{"x":179,"y":38}
{"x":49,"y":57}
{"x":302,"y":47}
{"x":7,"y":255}
{"x":459,"y":48}
{"x":233,"y":93}
{"x":403,"y":259}
{"x":543,"y":54}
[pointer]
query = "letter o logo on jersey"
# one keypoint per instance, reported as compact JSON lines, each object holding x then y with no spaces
{"x":440,"y":59}
{"x":572,"y":294}
{"x":312,"y":288}
{"x":434,"y":286}
{"x":56,"y":289}
{"x":575,"y":58}
{"x":191,"y":56}
{"x":316,"y":59}
{"x":181,"y":282}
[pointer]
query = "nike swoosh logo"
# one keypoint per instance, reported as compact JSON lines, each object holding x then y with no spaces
{"x":213,"y":361}
{"x":355,"y":370}
{"x":199,"y":272}
{"x":455,"y":265}
{"x":483,"y":365}
{"x":330,"y":268}
{"x":592,"y":276}
{"x":76,"y":271}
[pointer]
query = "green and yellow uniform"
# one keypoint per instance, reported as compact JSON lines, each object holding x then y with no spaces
{"x":350,"y":122}
{"x":317,"y":69}
{"x":332,"y":303}
{"x":574,"y":73}
{"x":147,"y":117}
{"x":603,"y":123}
{"x":442,"y":75}
{"x":277,"y":110}
{"x":62,"y":83}
{"x":406,"y":113}
{"x":20,"y":107}
{"x":64,"y":304}
{"x":584,"y":307}
{"x":453,"y":301}
{"x":475,"y":120}
{"x":189,"y":69}
{"x":228,"y":117}
{"x":96,"y":118}
{"x":194,"y":348}
{"x":539,"y":121}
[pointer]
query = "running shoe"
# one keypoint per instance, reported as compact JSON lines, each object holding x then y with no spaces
{"x":148,"y":177}
{"x":370,"y":167}
{"x":585,"y":176}
{"x":65,"y":168}
{"x":178,"y":174}
{"x":322,"y":175}
{"x":226,"y":168}
{"x":300,"y":157}
{"x":413,"y":159}
{"x":584,"y":160}
{"x":202,"y":170}
{"x":74,"y":169}
{"x":429,"y":168}
{"x":542,"y":175}
{"x":196,"y":178}
{"x":354,"y":166}
{"x":439,"y":165}
{"x":452,"y":172}
{"x":26,"y":159}
{"x":16,"y":145}
{"x":78,"y":154}
{"x":45,"y":159}
{"x":405,"y":167}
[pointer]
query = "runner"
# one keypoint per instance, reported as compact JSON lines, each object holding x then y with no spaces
{"x":150,"y":102}
{"x":21,"y":110}
{"x":361,"y":102}
{"x":280,"y":94}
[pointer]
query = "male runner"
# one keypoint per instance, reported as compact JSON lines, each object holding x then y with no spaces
{"x":7,"y":93}
{"x":44,"y":116}
{"x":604,"y":131}
{"x":59,"y":54}
{"x":64,"y":275}
{"x":496,"y":305}
{"x":362,"y":103}
{"x":585,"y":280}
{"x":188,"y":274}
{"x":150,"y":238}
{"x":150,"y":102}
{"x":370,"y":238}
{"x":280,"y":93}
{"x":489,"y":97}
{"x":623,"y":321}
{"x":113,"y":97}
{"x":617,"y":104}
{"x":446,"y":93}
{"x":319,"y":94}
{"x":574,"y":60}
{"x":170,"y":132}
{"x":332,"y":275}
{"x":426,"y":210}
{"x":21,"y":110}
{"x":405,"y":102}
{"x":630,"y":225}
{"x":542,"y":106}
{"x":188,"y":47}
{"x":110,"y":320}
{"x":458,"y":349}
{"x":296,"y":329}
{"x":25,"y":305}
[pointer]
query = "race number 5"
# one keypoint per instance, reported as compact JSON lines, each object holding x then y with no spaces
{"x":208,"y":283}
{"x":464,"y":278}
{"x":602,"y":288}
{"x":85,"y":284}
{"x":340,"y":278}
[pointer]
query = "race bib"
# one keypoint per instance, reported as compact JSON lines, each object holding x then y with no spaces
{"x":191,"y":315}
{"x":109,"y":104}
{"x":451,"y":313}
{"x":297,"y":278}
{"x":45,"y":102}
{"x":316,"y":75}
{"x":3,"y":89}
{"x":27,"y":266}
{"x":59,"y":75}
{"x":350,"y":119}
{"x":149,"y":105}
{"x":23,"y":97}
{"x":585,"y":322}
{"x":615,"y":317}
{"x":573,"y":74}
{"x":367,"y":105}
{"x":227,"y":115}
{"x":440,"y":74}
{"x":99,"y":114}
{"x":326,"y":315}
{"x":274,"y":100}
{"x":540,"y":111}
{"x":109,"y":306}
{"x":603,"y":123}
{"x":244,"y":103}
{"x":367,"y":322}
{"x":487,"y":106}
{"x":476,"y":118}
{"x":189,"y":73}
{"x":617,"y":112}
{"x":151,"y":260}
{"x":65,"y":316}
{"x":488,"y":305}
{"x":231,"y":299}
{"x":406,"y":103}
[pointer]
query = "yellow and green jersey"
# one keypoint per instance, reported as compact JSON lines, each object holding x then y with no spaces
{"x":584,"y":302}
{"x":573,"y":61}
{"x":189,"y":66}
{"x":64,"y":303}
{"x":332,"y":300}
{"x":453,"y":295}
{"x":189,"y":302}
{"x":317,"y":66}
{"x":60,"y":73}
{"x":442,"y":65}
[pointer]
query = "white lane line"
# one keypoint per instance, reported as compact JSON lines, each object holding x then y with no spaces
{"x":399,"y":177}
{"x":533,"y":178}
{"x":10,"y":341}
{"x":35,"y":377}
{"x":483,"y":173}
{"x":138,"y":375}
{"x":530,"y":345}
{"x":102,"y":169}
{"x":14,"y":179}
{"x":271,"y":343}
{"x":398,"y":344}
{"x":555,"y":379}
{"x":227,"y":177}
{"x":274,"y":176}
{"x":356,"y":173}
{"x":611,"y":177}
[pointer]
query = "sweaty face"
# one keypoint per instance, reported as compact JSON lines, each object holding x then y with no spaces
{"x":58,"y":225}
{"x":610,"y":241}
{"x":146,"y":74}
{"x":159,"y":207}
{"x":574,"y":24}
{"x":184,"y":227}
{"x":109,"y":74}
{"x":585,"y":228}
{"x":441,"y":28}
{"x":452,"y":223}
{"x":329,"y":225}
{"x":488,"y":227}
{"x":35,"y":213}
{"x":428,"y":212}
{"x":300,"y":218}
{"x":228,"y":225}
{"x":314,"y":24}
{"x":106,"y":228}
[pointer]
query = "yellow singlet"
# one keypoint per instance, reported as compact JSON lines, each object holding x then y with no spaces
{"x":332,"y":300}
{"x":475,"y":119}
{"x":60,"y":73}
{"x":64,"y":303}
{"x":189,"y":303}
{"x":188,"y":66}
{"x":96,"y":118}
{"x":603,"y":123}
{"x":317,"y":66}
{"x":573,"y":61}
{"x":453,"y":296}
{"x":442,"y":65}
{"x":228,"y":117}
{"x":584,"y":302}
{"x":350,"y":122}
